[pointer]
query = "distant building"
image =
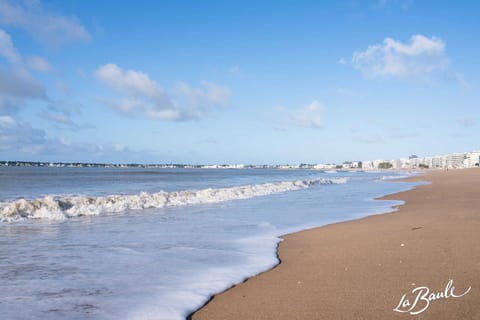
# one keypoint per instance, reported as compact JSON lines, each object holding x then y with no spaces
{"x":324,"y":166}
{"x":396,"y":164}
{"x":455,"y":160}
{"x":376,"y":163}
{"x":472,"y":159}
{"x":413,"y":161}
{"x":367,"y":165}
{"x":437,"y":162}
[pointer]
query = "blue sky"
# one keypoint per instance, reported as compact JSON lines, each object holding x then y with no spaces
{"x":237,"y":82}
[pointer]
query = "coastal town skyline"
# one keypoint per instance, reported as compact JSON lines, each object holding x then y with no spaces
{"x":458,"y":160}
{"x":376,"y":79}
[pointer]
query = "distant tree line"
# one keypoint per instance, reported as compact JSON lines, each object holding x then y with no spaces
{"x":385,"y":165}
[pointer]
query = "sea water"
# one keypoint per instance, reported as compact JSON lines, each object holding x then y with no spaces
{"x":135,"y":243}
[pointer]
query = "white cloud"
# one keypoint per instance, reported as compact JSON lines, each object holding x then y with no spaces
{"x":37,"y":63}
{"x":125,"y":105}
{"x":9,"y":105}
{"x":60,"y":118}
{"x":19,"y":84}
{"x":62,"y":114}
{"x":19,"y":136}
{"x":310,"y":116}
{"x":16,"y":83}
{"x":196,"y":102}
{"x":7,"y":122}
{"x":17,"y":87}
{"x":130,"y":81}
{"x":420,"y":57}
{"x":142,"y":92}
{"x":63,"y":121}
{"x":146,"y":96}
{"x":166,"y":115}
{"x":119,"y":147}
{"x":11,"y":54}
{"x":7,"y":50}
{"x":49,"y":28}
{"x":65,"y":107}
{"x":63,"y":88}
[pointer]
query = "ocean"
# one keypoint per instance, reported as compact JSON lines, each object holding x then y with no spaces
{"x":136,"y":243}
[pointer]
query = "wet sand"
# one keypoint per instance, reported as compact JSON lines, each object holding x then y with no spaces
{"x":361,"y":269}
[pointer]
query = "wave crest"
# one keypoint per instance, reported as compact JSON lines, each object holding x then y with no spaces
{"x":59,"y":208}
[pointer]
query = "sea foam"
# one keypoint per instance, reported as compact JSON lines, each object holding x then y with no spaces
{"x":64,"y":207}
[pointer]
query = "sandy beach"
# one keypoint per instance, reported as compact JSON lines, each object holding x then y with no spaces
{"x":361,"y":269}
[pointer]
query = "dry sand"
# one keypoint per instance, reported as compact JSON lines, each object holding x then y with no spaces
{"x":360,"y":269}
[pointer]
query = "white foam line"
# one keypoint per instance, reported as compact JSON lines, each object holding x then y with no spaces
{"x":60,"y":208}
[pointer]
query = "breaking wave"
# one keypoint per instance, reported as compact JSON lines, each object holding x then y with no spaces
{"x":64,"y":207}
{"x":397,"y":177}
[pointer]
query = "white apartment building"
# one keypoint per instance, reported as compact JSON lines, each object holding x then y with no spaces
{"x":472,"y":159}
{"x":376,"y":163}
{"x":404,"y":163}
{"x":351,"y":165}
{"x":413,"y":162}
{"x":437,"y":162}
{"x":396,"y":164}
{"x":322,"y":166}
{"x":455,"y":160}
{"x":368,"y":165}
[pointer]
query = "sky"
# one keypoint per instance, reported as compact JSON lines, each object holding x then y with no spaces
{"x":257,"y":82}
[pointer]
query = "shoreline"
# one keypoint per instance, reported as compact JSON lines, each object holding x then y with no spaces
{"x":247,"y":299}
{"x":395,"y":208}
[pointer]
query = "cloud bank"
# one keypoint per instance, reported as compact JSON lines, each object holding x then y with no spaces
{"x":7,"y":50}
{"x":311,"y":116}
{"x":142,"y":95}
{"x":52,"y":29}
{"x":419,"y":58}
{"x":16,"y":83}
